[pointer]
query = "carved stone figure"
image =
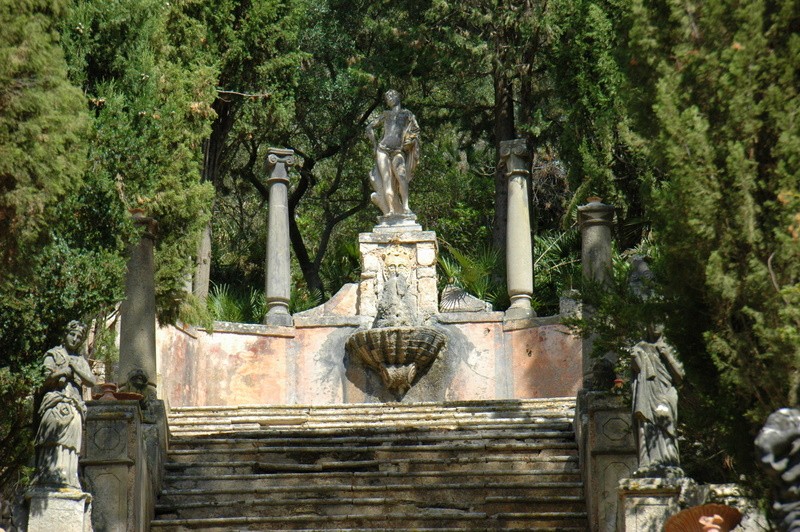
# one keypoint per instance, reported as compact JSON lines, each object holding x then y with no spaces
{"x":396,"y":156}
{"x":394,"y":309}
{"x":137,"y":383}
{"x":62,"y":411}
{"x":778,"y":446}
{"x":655,"y":408}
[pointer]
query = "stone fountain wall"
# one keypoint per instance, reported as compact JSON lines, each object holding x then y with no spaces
{"x":488,"y":356}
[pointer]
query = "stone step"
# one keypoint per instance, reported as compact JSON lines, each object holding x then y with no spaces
{"x":441,"y":520}
{"x":540,"y":461}
{"x":369,"y":478}
{"x":307,"y":455}
{"x":344,"y":504}
{"x":480,"y":465}
{"x":499,"y":405}
{"x":185,"y":427}
{"x":285,"y":438}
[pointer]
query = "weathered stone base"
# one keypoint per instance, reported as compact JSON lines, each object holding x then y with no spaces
{"x":64,"y":510}
{"x":645,"y":504}
{"x":607,"y":453}
{"x":413,"y":253}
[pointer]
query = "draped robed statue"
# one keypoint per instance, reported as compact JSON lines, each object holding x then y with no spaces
{"x":62,"y":411}
{"x":396,"y":156}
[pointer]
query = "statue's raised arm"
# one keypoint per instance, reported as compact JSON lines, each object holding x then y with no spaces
{"x":396,"y":156}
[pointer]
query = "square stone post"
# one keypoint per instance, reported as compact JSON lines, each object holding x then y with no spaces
{"x":137,"y":337}
{"x":515,"y":156}
{"x":604,"y":432}
{"x":647,"y":503}
{"x":414,"y":253}
{"x":278,"y":277}
{"x":121,"y":461}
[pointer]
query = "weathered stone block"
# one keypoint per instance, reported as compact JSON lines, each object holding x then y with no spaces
{"x":65,"y":510}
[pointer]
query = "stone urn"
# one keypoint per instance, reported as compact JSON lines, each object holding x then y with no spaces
{"x":397,"y":354}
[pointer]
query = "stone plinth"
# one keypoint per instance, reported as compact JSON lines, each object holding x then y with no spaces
{"x":413,"y":254}
{"x":118,"y":471}
{"x":64,"y":510}
{"x":646,"y":503}
{"x":604,"y":432}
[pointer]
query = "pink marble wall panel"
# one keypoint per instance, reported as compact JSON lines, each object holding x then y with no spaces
{"x":546,"y":362}
{"x":222,"y":368}
{"x":475,"y":367}
{"x":308,"y":365}
{"x":320,"y":367}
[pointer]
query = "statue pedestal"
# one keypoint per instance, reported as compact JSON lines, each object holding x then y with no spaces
{"x":64,"y":510}
{"x":393,"y":223}
{"x":412,"y":253}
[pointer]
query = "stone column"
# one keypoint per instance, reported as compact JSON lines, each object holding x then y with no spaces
{"x":514,"y":155}
{"x":595,"y":220}
{"x":278,"y":278}
{"x":137,"y":337}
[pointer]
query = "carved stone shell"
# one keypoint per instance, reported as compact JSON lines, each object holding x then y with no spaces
{"x":388,"y":349}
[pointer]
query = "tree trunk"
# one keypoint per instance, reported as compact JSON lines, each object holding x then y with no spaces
{"x":202,"y":271}
{"x":213,"y":149}
{"x":503,"y":130}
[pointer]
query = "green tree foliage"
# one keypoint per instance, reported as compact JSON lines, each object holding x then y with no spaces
{"x":62,"y":259}
{"x":710,"y":95}
{"x":150,"y":98}
{"x":42,"y":126}
{"x":722,"y":78}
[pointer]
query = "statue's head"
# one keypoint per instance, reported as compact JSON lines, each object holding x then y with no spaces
{"x":76,"y":334}
{"x":392,"y":97}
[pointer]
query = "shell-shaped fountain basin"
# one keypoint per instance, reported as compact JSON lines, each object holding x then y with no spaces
{"x":397,"y":354}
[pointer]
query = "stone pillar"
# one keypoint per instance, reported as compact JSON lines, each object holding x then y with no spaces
{"x":278,"y":278}
{"x":137,"y":338}
{"x":514,"y":155}
{"x":595,"y":220}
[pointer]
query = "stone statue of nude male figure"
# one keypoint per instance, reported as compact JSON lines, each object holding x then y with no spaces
{"x":396,"y":156}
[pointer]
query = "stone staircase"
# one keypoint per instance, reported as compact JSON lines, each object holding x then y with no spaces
{"x":488,"y":465}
